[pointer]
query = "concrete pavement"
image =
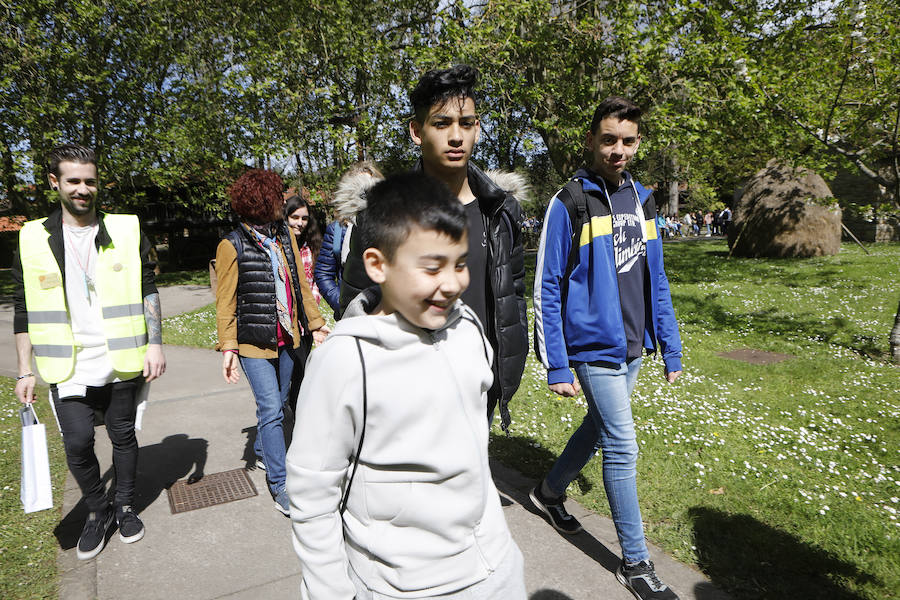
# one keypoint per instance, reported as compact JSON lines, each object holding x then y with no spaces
{"x":194,"y":424}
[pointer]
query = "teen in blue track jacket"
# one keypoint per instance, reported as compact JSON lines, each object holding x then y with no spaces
{"x":601,"y":300}
{"x":589,"y":327}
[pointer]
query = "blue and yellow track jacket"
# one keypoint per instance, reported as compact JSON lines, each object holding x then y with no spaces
{"x":580,"y":320}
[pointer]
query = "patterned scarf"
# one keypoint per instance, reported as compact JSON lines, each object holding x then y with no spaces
{"x":309,"y":270}
{"x":279,"y":272}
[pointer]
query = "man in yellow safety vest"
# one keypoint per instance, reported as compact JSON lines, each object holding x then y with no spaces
{"x":87,"y":308}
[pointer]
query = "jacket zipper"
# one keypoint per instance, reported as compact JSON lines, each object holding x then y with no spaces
{"x":481,"y":459}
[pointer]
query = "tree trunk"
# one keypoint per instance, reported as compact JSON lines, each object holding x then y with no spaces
{"x":14,"y":201}
{"x":895,"y":337}
{"x":673,"y":199}
{"x":563,"y":159}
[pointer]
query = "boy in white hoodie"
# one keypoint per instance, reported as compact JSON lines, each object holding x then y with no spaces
{"x":391,"y":492}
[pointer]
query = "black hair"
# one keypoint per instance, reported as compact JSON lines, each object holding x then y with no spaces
{"x":312,"y":234}
{"x":400,"y":202}
{"x":440,"y":85}
{"x":70,"y":153}
{"x":620,"y":108}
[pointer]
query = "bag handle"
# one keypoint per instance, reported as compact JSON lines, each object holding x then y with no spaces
{"x":362,"y":435}
{"x":28,"y":419}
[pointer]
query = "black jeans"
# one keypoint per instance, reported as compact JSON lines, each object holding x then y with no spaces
{"x":117,"y":403}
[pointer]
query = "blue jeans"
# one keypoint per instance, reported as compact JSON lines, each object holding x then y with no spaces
{"x":270,"y":380}
{"x":610,"y":427}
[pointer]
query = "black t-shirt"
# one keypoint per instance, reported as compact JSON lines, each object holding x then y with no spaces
{"x":476,"y":294}
{"x":631,"y":259}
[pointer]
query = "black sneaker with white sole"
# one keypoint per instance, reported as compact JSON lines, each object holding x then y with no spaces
{"x":131,"y":528}
{"x":643,"y":582}
{"x":93,"y":536}
{"x":556,"y":512}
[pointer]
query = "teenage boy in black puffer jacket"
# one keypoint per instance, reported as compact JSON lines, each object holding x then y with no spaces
{"x":445,"y":126}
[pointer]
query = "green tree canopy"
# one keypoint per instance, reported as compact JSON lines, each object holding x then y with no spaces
{"x":178,"y":96}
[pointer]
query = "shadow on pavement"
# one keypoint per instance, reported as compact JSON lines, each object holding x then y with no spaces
{"x":159,"y":466}
{"x":584,"y":541}
{"x":549,"y":595}
{"x":249,"y":455}
{"x":752,"y":560}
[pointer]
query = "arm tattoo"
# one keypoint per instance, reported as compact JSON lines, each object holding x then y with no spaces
{"x":153,"y":316}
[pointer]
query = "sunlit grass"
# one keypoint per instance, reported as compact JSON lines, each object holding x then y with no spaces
{"x":27,"y":545}
{"x":778,"y":480}
{"x":198,"y":327}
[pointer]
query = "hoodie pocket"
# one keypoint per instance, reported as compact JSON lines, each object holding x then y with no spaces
{"x":385,"y":500}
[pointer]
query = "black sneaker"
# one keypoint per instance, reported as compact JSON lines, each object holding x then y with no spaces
{"x":556,"y":512}
{"x":642,"y":581}
{"x":131,"y":529}
{"x":93,"y":536}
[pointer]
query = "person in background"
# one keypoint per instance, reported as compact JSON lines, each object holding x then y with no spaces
{"x":305,"y":227}
{"x":661,"y":223}
{"x":268,"y":331}
{"x":350,"y":194}
{"x":726,"y":220}
{"x":674,"y":225}
{"x":688,"y":223}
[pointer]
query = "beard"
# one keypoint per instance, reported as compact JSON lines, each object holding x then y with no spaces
{"x":77,"y":209}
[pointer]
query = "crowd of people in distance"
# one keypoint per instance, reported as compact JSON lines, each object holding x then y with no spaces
{"x":695,"y":224}
{"x":532,"y":224}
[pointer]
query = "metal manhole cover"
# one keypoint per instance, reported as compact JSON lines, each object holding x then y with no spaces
{"x":214,"y":488}
{"x":756,"y":357}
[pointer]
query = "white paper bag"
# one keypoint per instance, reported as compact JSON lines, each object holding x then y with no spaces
{"x":36,"y":492}
{"x":141,"y":398}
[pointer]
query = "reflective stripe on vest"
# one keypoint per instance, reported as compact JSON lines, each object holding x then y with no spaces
{"x":118,"y":281}
{"x":123,"y":310}
{"x":48,"y":316}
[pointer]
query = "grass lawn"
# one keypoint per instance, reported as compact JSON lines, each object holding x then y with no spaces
{"x":6,"y":284}
{"x":27,"y":544}
{"x":196,"y":328}
{"x":778,"y":480}
{"x":199,"y":277}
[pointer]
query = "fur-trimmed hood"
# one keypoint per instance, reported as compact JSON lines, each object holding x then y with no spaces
{"x":350,"y":196}
{"x":512,"y":183}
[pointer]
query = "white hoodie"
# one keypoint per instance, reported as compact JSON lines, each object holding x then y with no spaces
{"x":423,"y":517}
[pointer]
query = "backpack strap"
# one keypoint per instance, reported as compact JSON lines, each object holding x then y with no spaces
{"x":362,"y":435}
{"x":575,"y":202}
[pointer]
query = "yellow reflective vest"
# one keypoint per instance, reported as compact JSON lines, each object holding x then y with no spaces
{"x":118,"y":285}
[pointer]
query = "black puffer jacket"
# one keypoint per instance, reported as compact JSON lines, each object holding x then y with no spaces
{"x":256,"y":313}
{"x":496,"y":193}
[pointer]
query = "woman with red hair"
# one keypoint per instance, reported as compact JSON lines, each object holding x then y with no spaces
{"x":265,"y":313}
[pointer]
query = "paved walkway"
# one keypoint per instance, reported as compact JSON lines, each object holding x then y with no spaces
{"x":196,"y":423}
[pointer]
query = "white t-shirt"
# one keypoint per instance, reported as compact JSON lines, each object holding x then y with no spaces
{"x":92,"y":365}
